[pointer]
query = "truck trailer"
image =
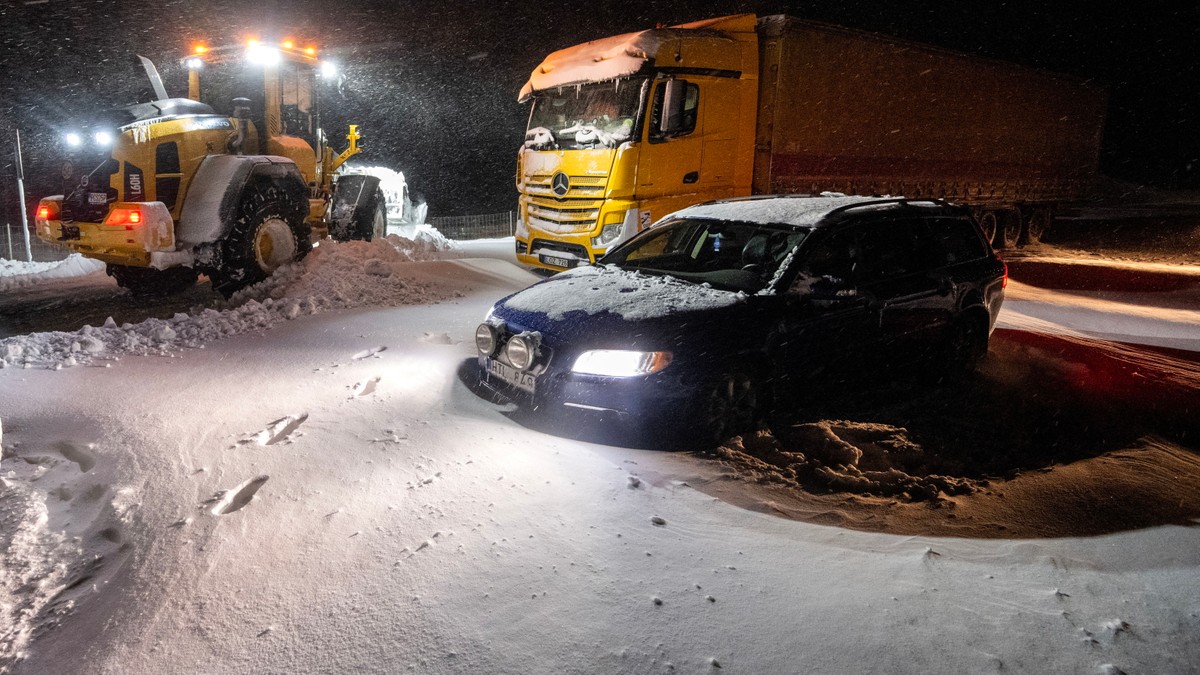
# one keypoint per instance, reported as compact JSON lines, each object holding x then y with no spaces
{"x":627,"y":129}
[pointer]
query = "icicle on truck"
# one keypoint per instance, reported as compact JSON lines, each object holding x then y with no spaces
{"x":233,"y":181}
{"x":626,"y":129}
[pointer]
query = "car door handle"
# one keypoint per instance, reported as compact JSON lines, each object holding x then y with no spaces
{"x":691,"y":177}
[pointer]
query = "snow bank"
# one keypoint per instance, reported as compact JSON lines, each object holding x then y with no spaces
{"x":19,"y":274}
{"x":333,"y":276}
{"x":855,"y":457}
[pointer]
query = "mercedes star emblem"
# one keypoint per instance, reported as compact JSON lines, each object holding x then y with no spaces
{"x":560,"y":184}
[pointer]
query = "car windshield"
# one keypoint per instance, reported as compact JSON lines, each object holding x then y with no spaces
{"x":729,"y":255}
{"x":602,"y":114}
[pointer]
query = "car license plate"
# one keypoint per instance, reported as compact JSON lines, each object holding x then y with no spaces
{"x":557,"y":261}
{"x":97,"y":198}
{"x":519,"y":379}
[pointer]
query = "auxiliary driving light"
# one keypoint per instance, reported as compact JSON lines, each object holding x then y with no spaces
{"x":519,"y":352}
{"x":73,"y":139}
{"x":485,"y":339}
{"x":620,"y":362}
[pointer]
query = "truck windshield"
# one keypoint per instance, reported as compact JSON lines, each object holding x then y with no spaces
{"x":730,"y":255}
{"x":601,"y":114}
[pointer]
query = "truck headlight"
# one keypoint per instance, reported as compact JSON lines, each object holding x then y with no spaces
{"x":608,"y":235}
{"x":620,"y":362}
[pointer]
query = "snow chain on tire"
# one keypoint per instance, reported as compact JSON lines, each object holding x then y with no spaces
{"x":265,"y":204}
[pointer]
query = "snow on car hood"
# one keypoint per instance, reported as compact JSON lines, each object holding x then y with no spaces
{"x":630,"y":295}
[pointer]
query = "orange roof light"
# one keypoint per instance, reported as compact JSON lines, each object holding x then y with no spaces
{"x":200,"y":49}
{"x":311,"y":51}
{"x":252,"y":42}
{"x":288,"y":44}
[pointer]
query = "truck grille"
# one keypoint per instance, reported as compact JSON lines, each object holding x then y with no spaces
{"x":574,"y":212}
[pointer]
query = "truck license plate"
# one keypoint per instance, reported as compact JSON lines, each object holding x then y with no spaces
{"x":519,"y":379}
{"x":557,"y":261}
{"x":97,"y":198}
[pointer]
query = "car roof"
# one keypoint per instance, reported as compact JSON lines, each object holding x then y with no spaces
{"x":797,"y":210}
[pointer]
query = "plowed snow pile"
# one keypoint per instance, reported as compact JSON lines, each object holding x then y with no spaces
{"x":19,"y":274}
{"x":333,"y":276}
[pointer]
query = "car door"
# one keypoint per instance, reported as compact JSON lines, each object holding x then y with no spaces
{"x":896,"y":271}
{"x":828,"y":326}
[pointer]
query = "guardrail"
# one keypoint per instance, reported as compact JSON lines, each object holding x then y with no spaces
{"x":12,"y":246}
{"x":486,"y":226}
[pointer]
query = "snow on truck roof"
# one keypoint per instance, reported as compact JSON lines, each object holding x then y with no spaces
{"x":617,"y":56}
{"x":784,"y":210}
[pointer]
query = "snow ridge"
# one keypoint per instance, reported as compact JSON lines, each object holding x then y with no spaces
{"x":334,"y":276}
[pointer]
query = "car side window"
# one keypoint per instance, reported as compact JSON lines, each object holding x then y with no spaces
{"x":890,"y":249}
{"x":832,"y":261}
{"x":956,"y":240}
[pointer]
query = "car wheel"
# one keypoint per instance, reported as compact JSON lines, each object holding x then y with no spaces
{"x":966,"y":347}
{"x":729,"y":407}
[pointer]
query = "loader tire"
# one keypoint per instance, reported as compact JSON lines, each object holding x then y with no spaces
{"x":269,"y":231}
{"x":371,"y":221}
{"x":144,"y":282}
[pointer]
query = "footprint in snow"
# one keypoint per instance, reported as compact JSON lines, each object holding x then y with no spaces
{"x":366,"y":388}
{"x":280,"y":429}
{"x":80,"y":456}
{"x":238,"y":497}
{"x":367,"y":353}
{"x":438,"y":339}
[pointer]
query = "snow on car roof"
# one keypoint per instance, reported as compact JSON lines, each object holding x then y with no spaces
{"x":607,"y":58}
{"x":791,"y":210}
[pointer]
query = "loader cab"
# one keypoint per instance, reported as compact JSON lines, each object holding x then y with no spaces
{"x":279,"y":81}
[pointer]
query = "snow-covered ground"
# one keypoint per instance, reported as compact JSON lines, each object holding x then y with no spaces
{"x":302,"y":483}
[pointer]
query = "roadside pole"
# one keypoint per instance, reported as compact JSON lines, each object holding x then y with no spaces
{"x":8,"y":231}
{"x":21,"y":196}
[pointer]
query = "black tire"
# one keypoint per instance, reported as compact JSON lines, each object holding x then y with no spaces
{"x":150,"y":282}
{"x":988,"y":222}
{"x":965,"y":348}
{"x":1009,"y":230}
{"x":359,"y":210}
{"x":270,"y":231}
{"x":727,"y":406}
{"x":1039,"y":222}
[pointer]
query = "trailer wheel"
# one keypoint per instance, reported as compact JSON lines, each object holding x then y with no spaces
{"x":150,"y":282}
{"x":270,"y":231}
{"x":987,"y":222}
{"x":1039,"y":221}
{"x":1009,"y":229}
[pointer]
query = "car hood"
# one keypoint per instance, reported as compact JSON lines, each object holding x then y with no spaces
{"x":604,"y":305}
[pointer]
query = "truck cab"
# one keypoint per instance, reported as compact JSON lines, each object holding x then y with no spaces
{"x":627,"y":129}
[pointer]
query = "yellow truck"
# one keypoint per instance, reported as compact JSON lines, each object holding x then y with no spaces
{"x":626,"y":129}
{"x":232,"y":181}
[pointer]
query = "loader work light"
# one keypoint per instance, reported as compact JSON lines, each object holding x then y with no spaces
{"x":103,"y":138}
{"x":73,"y":139}
{"x":262,"y":55}
{"x":195,"y":64}
{"x":329,"y":70}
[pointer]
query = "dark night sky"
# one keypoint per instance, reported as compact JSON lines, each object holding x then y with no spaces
{"x":434,"y":84}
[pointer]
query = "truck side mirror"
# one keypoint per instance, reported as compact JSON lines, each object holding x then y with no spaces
{"x":674,"y":96}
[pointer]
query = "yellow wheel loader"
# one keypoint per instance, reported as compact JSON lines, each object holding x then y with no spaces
{"x":233,"y":181}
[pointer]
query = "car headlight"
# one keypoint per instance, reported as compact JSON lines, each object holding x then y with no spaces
{"x":519,"y":351}
{"x":620,"y":362}
{"x":485,"y":339}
